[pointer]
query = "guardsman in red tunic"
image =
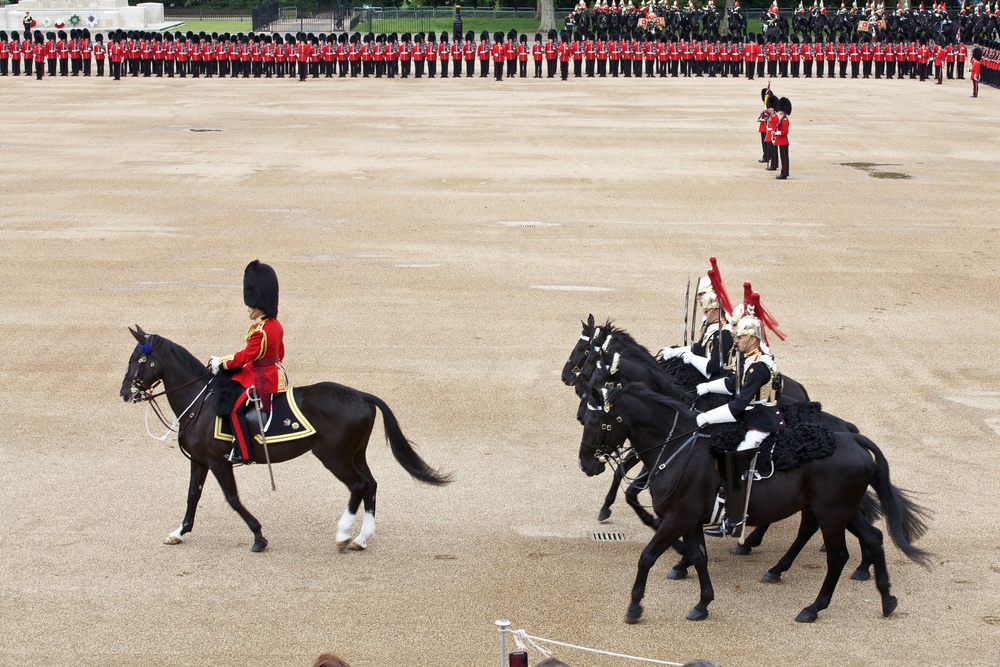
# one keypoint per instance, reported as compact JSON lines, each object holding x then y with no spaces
{"x":497,"y":53}
{"x":444,"y":53}
{"x":76,"y":65}
{"x":510,"y":50}
{"x":551,"y":55}
{"x":483,"y":54}
{"x":4,"y":53}
{"x":16,"y":53}
{"x":469,"y":54}
{"x":781,"y":135}
{"x":565,"y":51}
{"x":522,"y":56}
{"x":960,"y":52}
{"x":537,"y":55}
{"x":258,"y":368}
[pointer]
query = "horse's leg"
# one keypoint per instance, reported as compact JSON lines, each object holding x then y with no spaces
{"x":224,"y":474}
{"x":198,"y":474}
{"x":807,"y":528}
{"x":358,"y":479}
{"x":753,"y":540}
{"x":872,"y":546}
{"x":360,"y":543}
{"x":836,"y":558}
{"x":627,"y":464}
{"x":632,"y":498}
{"x":665,"y":537}
{"x":698,"y":556}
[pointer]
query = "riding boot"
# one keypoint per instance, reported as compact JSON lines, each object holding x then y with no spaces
{"x":242,"y":452}
{"x":738,"y":475}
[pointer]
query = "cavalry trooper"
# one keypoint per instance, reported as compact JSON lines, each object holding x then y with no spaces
{"x":258,"y":368}
{"x":705,"y":353}
{"x":755,"y":404}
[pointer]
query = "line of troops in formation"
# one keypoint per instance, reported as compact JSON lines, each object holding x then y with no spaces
{"x":630,"y":55}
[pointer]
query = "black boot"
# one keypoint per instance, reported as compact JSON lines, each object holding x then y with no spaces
{"x":236,"y":456}
{"x":738,"y":474}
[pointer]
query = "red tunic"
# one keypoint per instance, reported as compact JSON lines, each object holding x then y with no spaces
{"x":261,"y":357}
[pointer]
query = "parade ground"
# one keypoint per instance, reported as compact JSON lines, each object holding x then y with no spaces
{"x":438,"y":244}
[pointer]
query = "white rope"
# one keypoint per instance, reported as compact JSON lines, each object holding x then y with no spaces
{"x":521,"y":637}
{"x":177,"y":420}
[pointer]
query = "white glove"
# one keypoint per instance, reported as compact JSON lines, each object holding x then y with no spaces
{"x":214,"y":363}
{"x":701,"y":363}
{"x":714,"y":387}
{"x":702,"y":390}
{"x":671,"y":352}
{"x":720,"y":415}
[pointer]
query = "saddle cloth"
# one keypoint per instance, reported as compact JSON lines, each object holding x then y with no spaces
{"x":286,"y":422}
{"x":804,"y":439}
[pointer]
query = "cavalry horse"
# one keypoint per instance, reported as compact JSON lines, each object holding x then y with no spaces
{"x":343,"y":419}
{"x":684,"y":482}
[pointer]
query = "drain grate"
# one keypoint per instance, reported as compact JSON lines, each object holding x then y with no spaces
{"x":609,"y":537}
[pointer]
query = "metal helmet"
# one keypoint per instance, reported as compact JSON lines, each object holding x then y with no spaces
{"x":749,"y":326}
{"x":709,"y":301}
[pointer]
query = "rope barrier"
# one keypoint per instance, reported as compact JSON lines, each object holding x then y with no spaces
{"x":523,"y":640}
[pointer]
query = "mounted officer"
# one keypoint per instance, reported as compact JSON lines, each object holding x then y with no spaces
{"x":704,"y":354}
{"x":257,"y":368}
{"x":755,"y":404}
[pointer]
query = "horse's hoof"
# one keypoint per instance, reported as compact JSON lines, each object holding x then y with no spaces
{"x":771,"y":578}
{"x":634,"y":614}
{"x":173,"y":539}
{"x":805,"y":616}
{"x":697,"y":614}
{"x":259,"y":545}
{"x":354,"y":546}
{"x":677,"y":573}
{"x":861,"y":575}
{"x":342,"y":545}
{"x":889,"y":605}
{"x":741,"y":550}
{"x":604,"y":515}
{"x":822,"y":548}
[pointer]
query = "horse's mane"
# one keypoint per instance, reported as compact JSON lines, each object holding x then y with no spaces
{"x":167,"y":346}
{"x":665,"y":384}
{"x":631,"y":348}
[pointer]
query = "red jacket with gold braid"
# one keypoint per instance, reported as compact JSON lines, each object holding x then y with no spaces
{"x":260,"y":361}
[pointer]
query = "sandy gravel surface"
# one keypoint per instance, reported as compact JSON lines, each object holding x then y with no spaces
{"x":438,"y":243}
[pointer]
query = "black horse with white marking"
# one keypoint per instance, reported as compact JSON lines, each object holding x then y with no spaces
{"x":343,"y":419}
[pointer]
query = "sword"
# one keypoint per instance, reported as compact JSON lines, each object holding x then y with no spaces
{"x":263,"y":438}
{"x":687,"y":299}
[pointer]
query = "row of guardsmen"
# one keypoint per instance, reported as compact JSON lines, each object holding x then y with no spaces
{"x":631,"y":55}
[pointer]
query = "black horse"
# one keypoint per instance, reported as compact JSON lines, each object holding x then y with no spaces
{"x":620,"y":371}
{"x":664,"y":434}
{"x":737,"y":23}
{"x":343,"y":419}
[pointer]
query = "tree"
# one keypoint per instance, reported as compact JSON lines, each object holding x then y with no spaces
{"x":546,"y":15}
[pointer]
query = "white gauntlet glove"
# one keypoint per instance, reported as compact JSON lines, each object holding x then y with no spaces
{"x":214,"y":363}
{"x":720,"y":415}
{"x":714,"y":387}
{"x":701,"y":363}
{"x":671,"y":352}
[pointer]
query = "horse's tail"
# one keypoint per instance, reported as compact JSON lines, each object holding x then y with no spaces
{"x":870,"y":508}
{"x":402,"y":450}
{"x":904,"y":517}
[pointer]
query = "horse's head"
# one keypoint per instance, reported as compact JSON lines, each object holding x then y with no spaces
{"x":580,"y":352}
{"x":604,"y":433}
{"x":143,"y":371}
{"x":599,"y":347}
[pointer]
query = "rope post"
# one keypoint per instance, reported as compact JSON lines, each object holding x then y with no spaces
{"x":502,"y":626}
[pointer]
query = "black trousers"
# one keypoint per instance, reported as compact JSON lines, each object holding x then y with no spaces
{"x":498,"y":71}
{"x":484,"y":68}
{"x":783,"y":154}
{"x":552,"y":65}
{"x":564,"y":69}
{"x":457,"y":68}
{"x":39,"y":70}
{"x":470,"y":68}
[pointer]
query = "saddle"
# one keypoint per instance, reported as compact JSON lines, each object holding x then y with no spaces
{"x":285,"y":422}
{"x":804,"y":439}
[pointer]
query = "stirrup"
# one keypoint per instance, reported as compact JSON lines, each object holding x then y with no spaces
{"x":236,"y":458}
{"x":723,"y":529}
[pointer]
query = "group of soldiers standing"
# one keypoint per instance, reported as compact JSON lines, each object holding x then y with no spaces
{"x":630,"y":54}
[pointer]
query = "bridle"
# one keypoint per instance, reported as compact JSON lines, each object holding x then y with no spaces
{"x":578,"y":365}
{"x":612,"y":457}
{"x":142,"y":393}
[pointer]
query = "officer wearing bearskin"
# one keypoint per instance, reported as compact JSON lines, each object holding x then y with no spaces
{"x":257,"y":368}
{"x":755,"y":389}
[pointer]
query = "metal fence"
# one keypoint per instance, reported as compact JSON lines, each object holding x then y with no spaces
{"x":198,"y":14}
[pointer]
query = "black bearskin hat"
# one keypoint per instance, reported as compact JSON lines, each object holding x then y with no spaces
{"x":431,"y":37}
{"x":470,"y":36}
{"x":785,"y":105}
{"x":538,"y":36}
{"x":977,"y":53}
{"x":523,"y":38}
{"x":484,"y":36}
{"x":552,"y":34}
{"x":512,"y":34}
{"x":444,"y":36}
{"x":260,"y":288}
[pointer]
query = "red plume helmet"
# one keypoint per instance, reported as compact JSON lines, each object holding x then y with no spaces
{"x":718,"y":287}
{"x":765,"y":317}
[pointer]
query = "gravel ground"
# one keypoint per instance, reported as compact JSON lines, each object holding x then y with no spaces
{"x":438,"y":243}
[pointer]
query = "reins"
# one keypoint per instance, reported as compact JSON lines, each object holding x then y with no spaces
{"x":175,"y":422}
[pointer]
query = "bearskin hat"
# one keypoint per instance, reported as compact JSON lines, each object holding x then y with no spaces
{"x":523,"y":38}
{"x":512,"y":34}
{"x":470,"y":36}
{"x":484,"y":36}
{"x":553,"y":34}
{"x":431,"y":37}
{"x":444,"y":36}
{"x":498,"y":36}
{"x":785,"y":105}
{"x":977,"y":53}
{"x":260,"y":288}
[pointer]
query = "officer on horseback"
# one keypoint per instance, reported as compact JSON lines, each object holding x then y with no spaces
{"x":257,"y":367}
{"x":755,"y":402}
{"x":704,"y":354}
